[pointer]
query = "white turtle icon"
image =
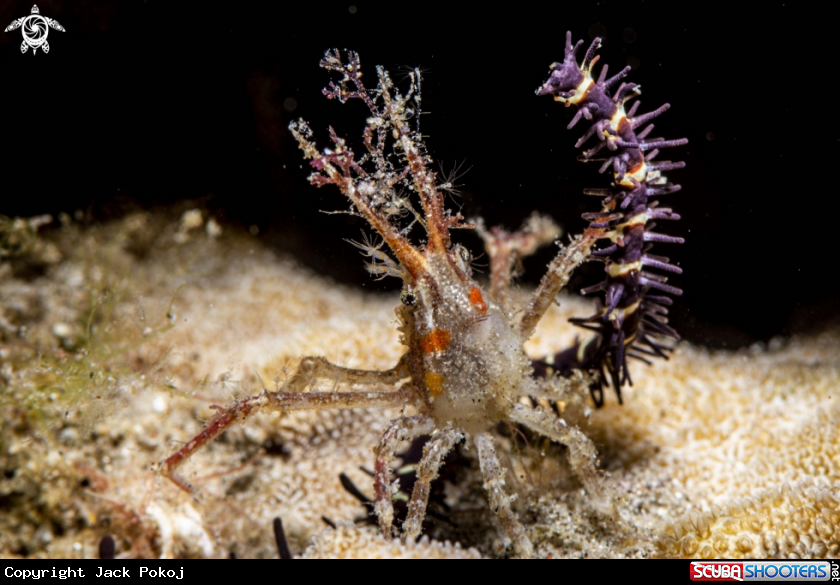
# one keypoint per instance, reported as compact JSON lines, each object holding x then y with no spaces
{"x":35,"y":30}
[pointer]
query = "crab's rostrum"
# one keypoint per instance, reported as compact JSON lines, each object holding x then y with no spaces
{"x":464,"y":369}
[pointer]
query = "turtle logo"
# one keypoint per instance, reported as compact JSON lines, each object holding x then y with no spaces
{"x":35,"y":30}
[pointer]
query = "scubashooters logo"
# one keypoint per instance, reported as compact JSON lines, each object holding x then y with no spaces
{"x":35,"y":29}
{"x":717,"y":571}
{"x":764,"y":571}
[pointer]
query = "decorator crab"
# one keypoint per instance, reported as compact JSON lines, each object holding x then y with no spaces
{"x":464,"y":369}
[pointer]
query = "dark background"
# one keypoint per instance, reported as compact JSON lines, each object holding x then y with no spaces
{"x":150,"y":103}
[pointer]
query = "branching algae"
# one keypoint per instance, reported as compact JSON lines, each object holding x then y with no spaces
{"x":464,"y":369}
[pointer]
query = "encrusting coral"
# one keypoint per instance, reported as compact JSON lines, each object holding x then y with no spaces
{"x":348,"y":542}
{"x":760,"y":439}
{"x":699,"y":433}
{"x":802,"y":522}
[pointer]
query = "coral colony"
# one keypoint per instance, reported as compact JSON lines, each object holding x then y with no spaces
{"x":465,"y":369}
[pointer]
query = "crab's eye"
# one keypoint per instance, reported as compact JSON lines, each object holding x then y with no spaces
{"x":464,"y":254}
{"x":408,"y":298}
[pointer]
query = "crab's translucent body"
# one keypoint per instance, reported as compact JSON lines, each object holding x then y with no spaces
{"x":465,"y":354}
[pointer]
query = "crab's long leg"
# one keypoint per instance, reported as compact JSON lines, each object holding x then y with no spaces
{"x":582,"y":453}
{"x":282,"y":401}
{"x":506,"y":249}
{"x":313,"y":368}
{"x":502,"y":259}
{"x":404,"y":428}
{"x":494,"y":481}
{"x":310,"y":368}
{"x":434,"y":451}
{"x":237,"y":413}
{"x":559,"y":271}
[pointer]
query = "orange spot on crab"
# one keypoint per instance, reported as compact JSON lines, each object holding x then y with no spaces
{"x":434,"y":383}
{"x":435,"y":340}
{"x":477,"y":300}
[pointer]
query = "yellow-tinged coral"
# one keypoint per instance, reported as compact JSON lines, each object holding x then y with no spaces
{"x":350,"y":542}
{"x":730,"y":428}
{"x":802,"y":522}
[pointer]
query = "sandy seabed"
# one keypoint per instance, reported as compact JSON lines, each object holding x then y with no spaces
{"x":115,"y":341}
